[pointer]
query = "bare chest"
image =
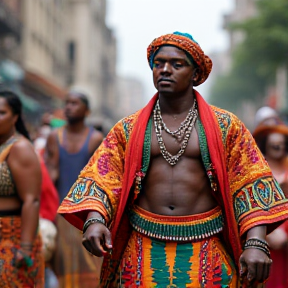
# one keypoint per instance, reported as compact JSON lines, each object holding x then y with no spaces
{"x":173,"y":145}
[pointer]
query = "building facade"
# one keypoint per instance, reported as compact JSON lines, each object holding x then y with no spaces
{"x":244,"y":9}
{"x":59,"y":45}
{"x":92,"y":58}
{"x":131,"y":96}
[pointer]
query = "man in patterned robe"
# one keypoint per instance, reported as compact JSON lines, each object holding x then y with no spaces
{"x":178,"y":194}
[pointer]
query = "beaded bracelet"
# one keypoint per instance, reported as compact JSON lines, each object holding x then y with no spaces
{"x":267,"y":252}
{"x":92,"y":221}
{"x":257,"y":244}
{"x":26,"y":245}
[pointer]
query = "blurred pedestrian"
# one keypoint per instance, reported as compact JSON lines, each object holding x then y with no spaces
{"x":49,"y":202}
{"x":68,"y":150}
{"x":267,"y":116}
{"x":172,"y":181}
{"x":273,"y":143}
{"x":22,"y":263}
{"x":42,"y":134}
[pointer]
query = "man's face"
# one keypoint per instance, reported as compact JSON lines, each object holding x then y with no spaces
{"x":75,"y":109}
{"x":172,"y":72}
{"x":276,"y":146}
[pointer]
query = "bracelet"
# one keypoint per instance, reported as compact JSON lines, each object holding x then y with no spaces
{"x":257,"y":244}
{"x":258,"y":240}
{"x":267,"y":252}
{"x":26,"y":245}
{"x":92,"y":221}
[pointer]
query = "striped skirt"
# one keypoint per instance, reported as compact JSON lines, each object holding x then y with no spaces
{"x":197,"y":258}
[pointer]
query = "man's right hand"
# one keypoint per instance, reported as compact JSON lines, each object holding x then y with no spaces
{"x":97,"y":239}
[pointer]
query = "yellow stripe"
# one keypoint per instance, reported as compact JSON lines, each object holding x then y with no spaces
{"x":250,"y":222}
{"x":147,"y":271}
{"x":194,"y":270}
{"x":170,"y":250}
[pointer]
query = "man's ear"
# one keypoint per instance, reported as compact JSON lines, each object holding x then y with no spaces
{"x":87,"y":112}
{"x":195,"y":74}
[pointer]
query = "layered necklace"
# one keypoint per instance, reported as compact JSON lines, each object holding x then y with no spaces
{"x":182,"y":133}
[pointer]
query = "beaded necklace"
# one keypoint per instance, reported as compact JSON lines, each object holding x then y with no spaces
{"x":178,"y":133}
{"x":184,"y":130}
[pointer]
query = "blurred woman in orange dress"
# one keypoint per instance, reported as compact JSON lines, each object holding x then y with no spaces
{"x":22,"y":263}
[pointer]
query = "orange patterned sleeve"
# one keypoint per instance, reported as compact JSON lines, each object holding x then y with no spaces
{"x":257,"y":196}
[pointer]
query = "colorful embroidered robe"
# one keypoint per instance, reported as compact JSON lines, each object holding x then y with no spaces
{"x":240,"y":177}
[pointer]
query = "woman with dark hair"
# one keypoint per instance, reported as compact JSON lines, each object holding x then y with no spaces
{"x":22,"y":263}
{"x":272,"y":140}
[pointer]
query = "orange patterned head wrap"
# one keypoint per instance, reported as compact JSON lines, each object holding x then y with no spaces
{"x":185,"y":42}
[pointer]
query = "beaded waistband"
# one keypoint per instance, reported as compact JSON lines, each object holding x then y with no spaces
{"x":177,"y":228}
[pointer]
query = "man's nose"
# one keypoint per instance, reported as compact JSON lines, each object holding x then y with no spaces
{"x":67,"y":108}
{"x":166,"y":68}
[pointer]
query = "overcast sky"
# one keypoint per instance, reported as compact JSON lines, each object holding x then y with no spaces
{"x":137,"y":22}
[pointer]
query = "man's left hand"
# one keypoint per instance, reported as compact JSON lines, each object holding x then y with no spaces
{"x":255,"y":265}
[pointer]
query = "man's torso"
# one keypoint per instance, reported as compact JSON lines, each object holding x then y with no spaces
{"x":182,"y":189}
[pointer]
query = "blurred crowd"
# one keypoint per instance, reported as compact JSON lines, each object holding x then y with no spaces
{"x":271,"y":136}
{"x":38,"y":248}
{"x":44,"y":169}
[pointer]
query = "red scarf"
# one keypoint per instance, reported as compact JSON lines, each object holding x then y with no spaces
{"x":217,"y":154}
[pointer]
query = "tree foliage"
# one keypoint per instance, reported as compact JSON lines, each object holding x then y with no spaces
{"x":256,"y":59}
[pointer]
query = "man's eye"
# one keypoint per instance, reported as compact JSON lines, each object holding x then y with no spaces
{"x":178,"y":65}
{"x":156,"y":64}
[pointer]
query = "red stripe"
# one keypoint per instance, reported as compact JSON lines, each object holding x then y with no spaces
{"x":133,"y":159}
{"x":217,"y":156}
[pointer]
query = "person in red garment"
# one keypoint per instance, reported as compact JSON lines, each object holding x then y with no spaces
{"x":49,"y":200}
{"x":272,"y":140}
{"x":49,"y":203}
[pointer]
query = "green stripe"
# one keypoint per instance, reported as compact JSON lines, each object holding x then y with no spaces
{"x":147,"y":147}
{"x":204,"y":150}
{"x":225,"y":278}
{"x":203,"y":145}
{"x":182,"y":264}
{"x":159,"y":266}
